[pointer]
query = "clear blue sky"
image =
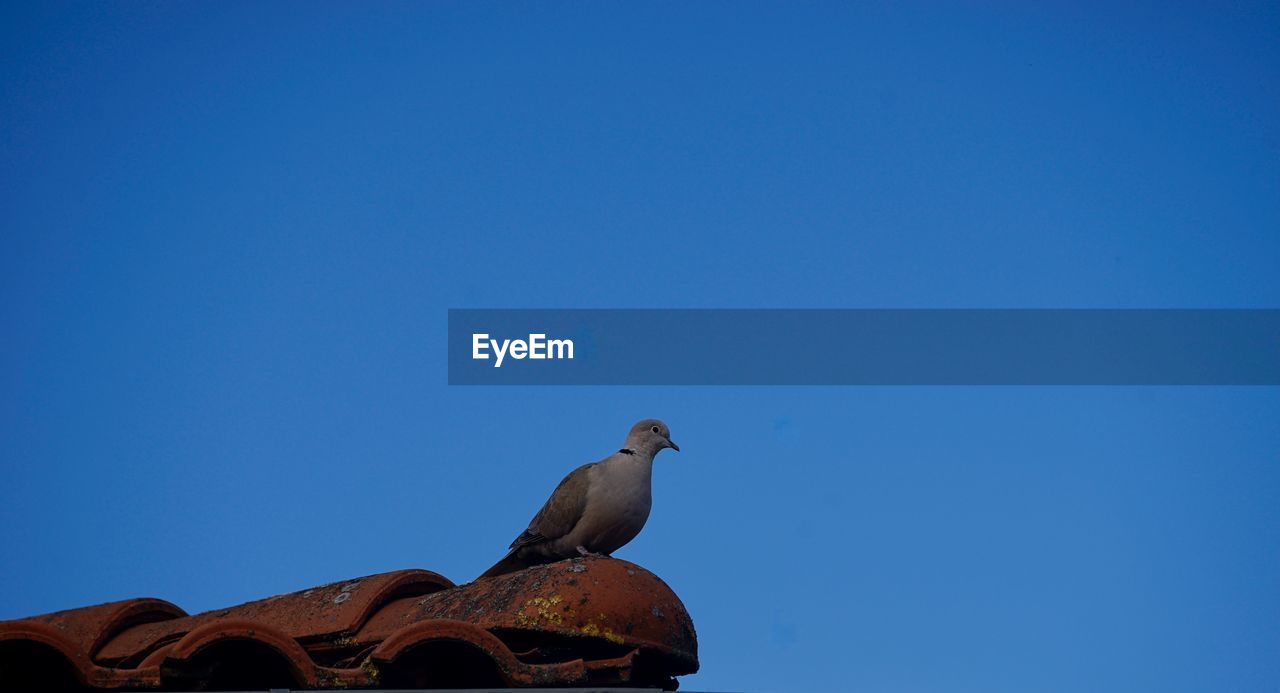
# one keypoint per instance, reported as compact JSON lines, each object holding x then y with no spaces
{"x":231,"y":233}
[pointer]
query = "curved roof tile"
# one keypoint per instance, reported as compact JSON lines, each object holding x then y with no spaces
{"x":585,"y":621}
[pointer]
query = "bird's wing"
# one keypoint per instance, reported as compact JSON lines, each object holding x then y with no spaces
{"x":561,"y":511}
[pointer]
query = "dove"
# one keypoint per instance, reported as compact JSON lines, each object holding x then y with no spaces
{"x":597,"y":508}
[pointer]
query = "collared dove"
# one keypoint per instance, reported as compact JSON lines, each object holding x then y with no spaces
{"x":597,"y":508}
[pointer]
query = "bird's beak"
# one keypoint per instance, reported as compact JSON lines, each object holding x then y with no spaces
{"x":673,"y":445}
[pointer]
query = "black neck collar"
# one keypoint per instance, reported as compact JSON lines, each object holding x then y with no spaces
{"x":627,"y":451}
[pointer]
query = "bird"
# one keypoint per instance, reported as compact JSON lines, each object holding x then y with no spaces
{"x":597,"y":508}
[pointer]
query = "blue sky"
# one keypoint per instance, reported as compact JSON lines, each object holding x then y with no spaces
{"x":232,"y":232}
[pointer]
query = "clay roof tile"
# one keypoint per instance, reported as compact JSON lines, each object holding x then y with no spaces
{"x":589,"y":621}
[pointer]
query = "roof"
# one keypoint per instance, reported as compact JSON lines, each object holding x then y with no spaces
{"x":585,"y":621}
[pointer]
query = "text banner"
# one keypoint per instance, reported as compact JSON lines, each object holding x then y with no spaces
{"x":863,"y":347}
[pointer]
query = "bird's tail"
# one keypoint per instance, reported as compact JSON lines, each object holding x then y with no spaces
{"x":510,"y":563}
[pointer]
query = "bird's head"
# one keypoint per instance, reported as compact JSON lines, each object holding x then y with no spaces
{"x":650,"y":436}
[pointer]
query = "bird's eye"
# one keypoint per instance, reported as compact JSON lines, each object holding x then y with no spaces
{"x":655,"y":429}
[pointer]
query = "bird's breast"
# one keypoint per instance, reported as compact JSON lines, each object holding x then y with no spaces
{"x":618,"y":504}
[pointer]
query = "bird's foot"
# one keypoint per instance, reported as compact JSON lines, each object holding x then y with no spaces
{"x":582,"y":551}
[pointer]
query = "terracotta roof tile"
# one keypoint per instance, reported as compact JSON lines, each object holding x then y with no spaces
{"x":593,"y":621}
